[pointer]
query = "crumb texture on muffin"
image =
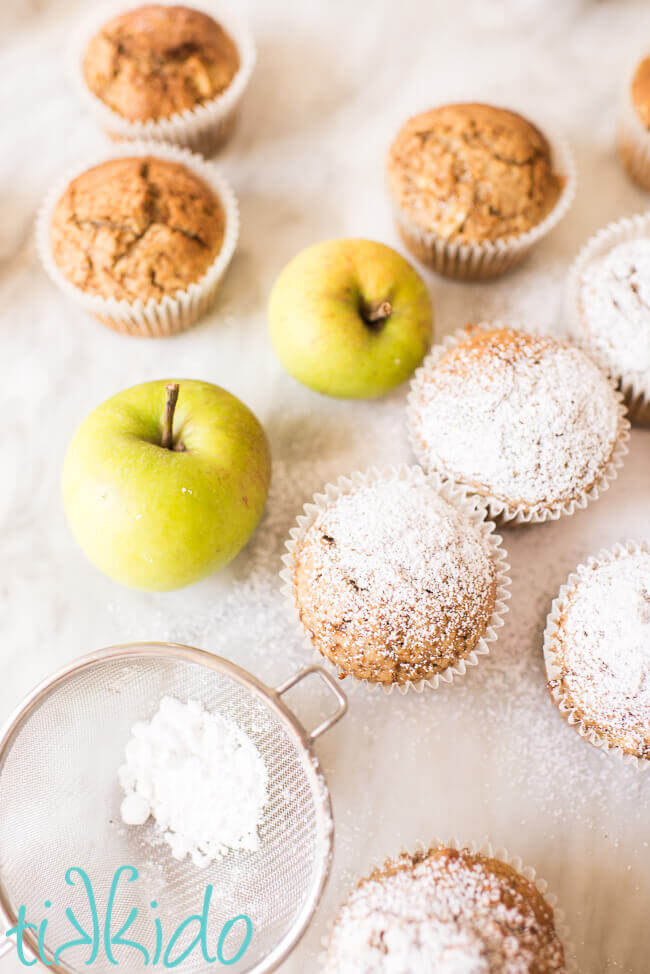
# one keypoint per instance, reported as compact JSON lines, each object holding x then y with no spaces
{"x":472,"y":173}
{"x":615,"y":309}
{"x":602,"y":650}
{"x":393,"y":583}
{"x":640,"y":91}
{"x":156,"y":61}
{"x":136,"y":228}
{"x":445,"y":911}
{"x":522,"y":418}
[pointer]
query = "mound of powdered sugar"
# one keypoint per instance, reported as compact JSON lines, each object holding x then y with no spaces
{"x":520,"y":417}
{"x":448,"y":915}
{"x":615,"y":308}
{"x":199,"y":776}
{"x":604,"y":655}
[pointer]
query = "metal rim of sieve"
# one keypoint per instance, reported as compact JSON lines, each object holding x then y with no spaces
{"x":272,"y":698}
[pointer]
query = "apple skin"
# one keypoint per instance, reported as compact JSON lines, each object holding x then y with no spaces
{"x":319,"y":333}
{"x":159,"y":519}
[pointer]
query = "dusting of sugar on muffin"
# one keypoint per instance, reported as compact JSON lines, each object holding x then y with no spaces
{"x":393,"y":583}
{"x":453,"y":912}
{"x":522,"y":418}
{"x":615,"y":309}
{"x":601,"y":650}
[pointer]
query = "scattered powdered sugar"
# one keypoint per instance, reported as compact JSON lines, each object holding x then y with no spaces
{"x":445,"y":913}
{"x":519,"y":417}
{"x":615,"y":308}
{"x":199,"y":776}
{"x":605,"y":649}
{"x":398,"y":577}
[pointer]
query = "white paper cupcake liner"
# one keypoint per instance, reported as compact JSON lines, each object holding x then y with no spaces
{"x":487,"y":850}
{"x":499,"y":510}
{"x":553,"y":668}
{"x":203,"y":128}
{"x":171,"y":314}
{"x":633,"y":137}
{"x":634,"y":386}
{"x":458,"y":497}
{"x":488,"y":259}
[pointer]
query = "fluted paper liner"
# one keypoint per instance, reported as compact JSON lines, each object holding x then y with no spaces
{"x":483,"y":260}
{"x":487,"y":850}
{"x":553,"y":670}
{"x":171,"y":314}
{"x":635,"y":387}
{"x":475,"y":512}
{"x":203,"y":128}
{"x":502,"y":511}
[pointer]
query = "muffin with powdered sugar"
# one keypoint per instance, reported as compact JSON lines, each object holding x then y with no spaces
{"x":530,"y":424}
{"x":396,"y":579}
{"x":596,"y":651}
{"x":445,"y":910}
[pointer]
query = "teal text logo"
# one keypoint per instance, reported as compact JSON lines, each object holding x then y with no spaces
{"x":108,"y":934}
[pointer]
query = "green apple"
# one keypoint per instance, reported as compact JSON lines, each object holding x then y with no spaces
{"x":350,"y":318}
{"x":165,"y":482}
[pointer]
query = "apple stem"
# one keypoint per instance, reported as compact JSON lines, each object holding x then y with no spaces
{"x":379,"y":314}
{"x":168,"y":423}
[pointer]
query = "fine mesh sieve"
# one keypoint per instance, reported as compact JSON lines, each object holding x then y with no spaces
{"x":60,"y":800}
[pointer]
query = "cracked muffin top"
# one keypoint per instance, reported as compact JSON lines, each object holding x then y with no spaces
{"x":472,"y":173}
{"x":640,"y":91}
{"x":156,"y":61}
{"x":136,"y":228}
{"x":393,"y":583}
{"x":448,"y":911}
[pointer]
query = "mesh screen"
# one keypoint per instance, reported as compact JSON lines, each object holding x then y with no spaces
{"x":59,"y":808}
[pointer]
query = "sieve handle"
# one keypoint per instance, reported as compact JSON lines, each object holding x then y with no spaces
{"x":331,"y":684}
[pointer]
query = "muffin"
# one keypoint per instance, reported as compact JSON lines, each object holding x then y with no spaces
{"x":596,"y":650}
{"x":531,"y":425}
{"x":634,"y":125}
{"x":608,"y":307}
{"x":141,"y":240}
{"x":397,"y":580}
{"x":158,"y":63}
{"x":449,"y":911}
{"x":473,"y":186}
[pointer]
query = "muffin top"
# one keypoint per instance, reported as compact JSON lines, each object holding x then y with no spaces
{"x":155,"y":61}
{"x":393,"y":583}
{"x":601,"y":651}
{"x":448,"y":911}
{"x":520,"y":418}
{"x":614,"y":295}
{"x":640,"y":91}
{"x":472,"y":173}
{"x":136,"y":228}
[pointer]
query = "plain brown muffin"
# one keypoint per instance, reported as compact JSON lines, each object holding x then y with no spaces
{"x":136,"y":228}
{"x":472,"y":173}
{"x":156,"y":61}
{"x":393,"y":583}
{"x":445,"y":910}
{"x":640,"y":91}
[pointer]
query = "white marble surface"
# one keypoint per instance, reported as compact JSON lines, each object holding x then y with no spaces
{"x":488,"y":757}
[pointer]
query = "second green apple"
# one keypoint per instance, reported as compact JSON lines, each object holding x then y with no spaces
{"x":350,"y":318}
